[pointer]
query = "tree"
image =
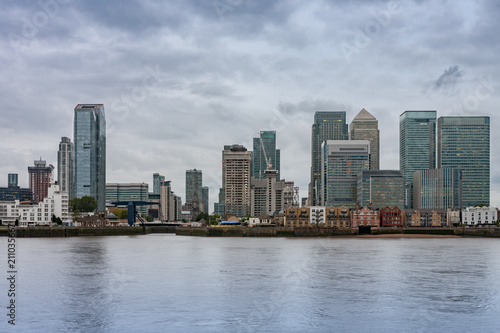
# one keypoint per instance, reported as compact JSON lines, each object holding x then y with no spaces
{"x":149,"y":218}
{"x":84,"y":204}
{"x":124,"y":214}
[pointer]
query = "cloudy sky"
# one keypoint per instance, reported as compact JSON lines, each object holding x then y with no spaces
{"x":180,"y":79}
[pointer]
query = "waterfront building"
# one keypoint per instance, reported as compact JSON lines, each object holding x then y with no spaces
{"x":128,"y":192}
{"x":194,"y":193}
{"x":65,"y":167}
{"x":341,"y":161}
{"x":40,"y":178}
{"x":475,"y":216}
{"x":157,"y":180}
{"x":391,"y":217}
{"x":291,"y":195}
{"x":236,"y":171}
{"x":90,"y":152}
{"x":56,"y":203}
{"x":365,"y":127}
{"x":425,"y":217}
{"x":417,"y":146}
{"x":328,"y":125}
{"x":365,"y":216}
{"x":265,"y":156}
{"x":464,"y":144}
{"x":329,"y":216}
{"x":380,"y":188}
{"x":267,"y":195}
{"x":13,"y":192}
{"x":437,"y":188}
{"x":453,"y":216}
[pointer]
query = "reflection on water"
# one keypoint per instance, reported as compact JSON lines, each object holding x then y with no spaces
{"x":165,"y":283}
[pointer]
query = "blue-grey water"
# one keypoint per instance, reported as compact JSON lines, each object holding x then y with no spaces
{"x":167,"y":283}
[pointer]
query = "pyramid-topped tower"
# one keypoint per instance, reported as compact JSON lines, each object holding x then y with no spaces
{"x":365,"y":127}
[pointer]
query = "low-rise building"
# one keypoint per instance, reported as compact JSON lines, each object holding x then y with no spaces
{"x":366,"y":216}
{"x":425,"y":217}
{"x":317,"y":216}
{"x":391,"y":217}
{"x":474,"y":216}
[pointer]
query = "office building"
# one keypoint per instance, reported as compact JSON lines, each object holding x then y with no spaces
{"x":65,"y":167}
{"x":342,"y":160}
{"x":13,"y":180}
{"x":157,"y":180}
{"x":380,"y":188}
{"x":437,"y":188}
{"x":417,"y":146}
{"x":13,"y":192}
{"x":40,"y":178}
{"x":90,"y":153}
{"x":328,"y":125}
{"x":128,"y":192}
{"x":194,"y":195}
{"x":267,"y":195}
{"x":464,"y":144}
{"x":365,"y":127}
{"x":205,"y":199}
{"x":265,"y":156}
{"x":236,"y":172}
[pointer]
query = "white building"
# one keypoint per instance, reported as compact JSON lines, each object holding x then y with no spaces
{"x":56,"y":203}
{"x":479,"y":215}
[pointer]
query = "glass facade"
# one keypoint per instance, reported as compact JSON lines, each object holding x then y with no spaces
{"x":128,"y":192}
{"x":65,"y":166}
{"x":328,"y":125}
{"x":341,"y":163}
{"x":90,"y":152}
{"x":265,"y":155}
{"x":157,"y":180}
{"x":194,"y":195}
{"x":437,"y":188}
{"x":464,"y":144}
{"x":417,"y":146}
{"x":380,"y":188}
{"x":365,"y":127}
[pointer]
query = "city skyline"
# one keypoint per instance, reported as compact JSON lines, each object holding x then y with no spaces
{"x":174,"y":97}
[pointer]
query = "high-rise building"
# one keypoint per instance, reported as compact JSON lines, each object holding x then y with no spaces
{"x":464,"y":144}
{"x":65,"y":167}
{"x":265,"y":156}
{"x":128,"y":192}
{"x":417,"y":146}
{"x":167,"y":203}
{"x":437,"y":188}
{"x":365,"y":127}
{"x":14,"y":192}
{"x":157,"y":180}
{"x":341,"y":162}
{"x":205,"y":199}
{"x":328,"y":125}
{"x":380,"y":188}
{"x":90,"y":152}
{"x":236,"y":172}
{"x":219,"y":206}
{"x":40,"y":178}
{"x":194,"y":179}
{"x":267,"y":195}
{"x":13,"y":180}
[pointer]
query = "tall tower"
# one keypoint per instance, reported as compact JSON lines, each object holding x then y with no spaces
{"x":193,"y":191}
{"x":40,"y":177}
{"x":205,"y":199}
{"x":265,"y":156}
{"x":464,"y":144}
{"x":328,"y":125}
{"x":365,"y":127}
{"x":417,"y":146}
{"x":157,"y":181}
{"x":236,"y":162}
{"x":65,"y":167}
{"x":90,"y":152}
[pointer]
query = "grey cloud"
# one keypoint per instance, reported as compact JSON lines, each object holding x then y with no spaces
{"x":449,"y":78}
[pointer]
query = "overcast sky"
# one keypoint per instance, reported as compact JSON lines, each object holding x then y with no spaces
{"x":180,"y":79}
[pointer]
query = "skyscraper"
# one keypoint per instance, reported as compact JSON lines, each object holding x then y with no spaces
{"x":194,"y":192}
{"x":417,"y":146}
{"x":90,"y":152}
{"x":365,"y":127}
{"x":265,"y":156}
{"x":65,"y":167}
{"x":205,"y":199}
{"x":328,"y":125}
{"x":464,"y":144}
{"x":437,"y":188}
{"x":380,"y":188}
{"x":157,"y":180}
{"x":341,"y":162}
{"x":128,"y":192}
{"x":40,"y":177}
{"x":236,"y":171}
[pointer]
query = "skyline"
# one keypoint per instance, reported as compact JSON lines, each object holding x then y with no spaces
{"x":181,"y":80}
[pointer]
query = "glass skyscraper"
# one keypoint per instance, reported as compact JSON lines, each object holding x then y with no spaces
{"x":417,"y":146}
{"x":365,"y":127}
{"x":464,"y":144}
{"x":265,"y":156}
{"x":381,"y":188}
{"x":90,"y":152}
{"x":437,"y":188}
{"x":65,"y":167}
{"x":328,"y":125}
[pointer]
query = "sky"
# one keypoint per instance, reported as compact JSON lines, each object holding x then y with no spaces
{"x":181,"y":79}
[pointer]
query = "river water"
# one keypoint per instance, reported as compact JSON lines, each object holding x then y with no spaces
{"x":168,"y":283}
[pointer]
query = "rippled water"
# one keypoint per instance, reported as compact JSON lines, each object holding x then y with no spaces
{"x":167,"y":283}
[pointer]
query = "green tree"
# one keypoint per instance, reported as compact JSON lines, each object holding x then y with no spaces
{"x":149,"y":218}
{"x":84,"y":204}
{"x":124,"y":214}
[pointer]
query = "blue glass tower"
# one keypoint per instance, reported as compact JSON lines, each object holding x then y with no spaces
{"x":90,"y":152}
{"x":265,"y":155}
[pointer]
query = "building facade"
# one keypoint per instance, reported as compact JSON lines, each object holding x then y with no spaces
{"x":205,"y":199}
{"x":474,"y":216}
{"x":265,"y":156}
{"x":194,"y":195}
{"x":329,"y":216}
{"x":40,"y":178}
{"x":464,"y":144}
{"x":157,"y":180}
{"x":417,"y":146}
{"x":128,"y":192}
{"x":236,"y":171}
{"x":13,"y":192}
{"x":380,"y":188}
{"x":90,"y":152}
{"x":342,"y":160}
{"x":391,"y":217}
{"x":365,"y":127}
{"x":267,"y":195}
{"x":65,"y":167}
{"x":425,"y":217}
{"x":365,"y":216}
{"x":437,"y":188}
{"x":328,"y":125}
